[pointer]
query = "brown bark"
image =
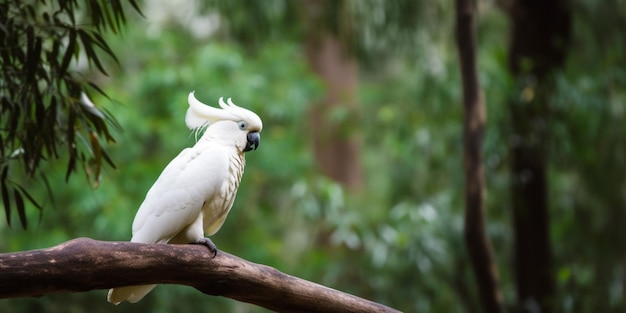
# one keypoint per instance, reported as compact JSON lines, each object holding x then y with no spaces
{"x":540,"y":33}
{"x":85,"y":264}
{"x":478,"y":244}
{"x":336,"y":143}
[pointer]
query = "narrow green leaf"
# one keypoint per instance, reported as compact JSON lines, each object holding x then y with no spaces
{"x":51,"y":115}
{"x":71,"y":164}
{"x":97,"y":154}
{"x":118,"y":12}
{"x":5,"y":196}
{"x":31,"y":58}
{"x":5,"y":173}
{"x":31,"y":11}
{"x":108,"y":159}
{"x":19,"y":205}
{"x":52,"y":56}
{"x":85,"y":143}
{"x":96,"y":14}
{"x":46,"y":183}
{"x":30,"y":198}
{"x":100,"y":91}
{"x":2,"y":143}
{"x":69,"y":52}
{"x":133,"y":3}
{"x":104,"y":46}
{"x":46,"y":17}
{"x":89,"y":51}
{"x":109,"y":20}
{"x":71,"y":143}
{"x":112,"y":121}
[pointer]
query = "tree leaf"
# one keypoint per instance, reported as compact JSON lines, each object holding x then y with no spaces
{"x":109,"y":20}
{"x":87,"y":41}
{"x":97,"y":153}
{"x":118,"y":12}
{"x":71,"y":143}
{"x":51,"y":114}
{"x":108,"y":159}
{"x":133,"y":3}
{"x":30,"y":198}
{"x":21,"y":210}
{"x":69,"y":52}
{"x":5,"y":195}
{"x":104,"y":46}
{"x":96,"y":14}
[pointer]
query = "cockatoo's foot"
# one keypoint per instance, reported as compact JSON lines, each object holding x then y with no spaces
{"x":207,"y":243}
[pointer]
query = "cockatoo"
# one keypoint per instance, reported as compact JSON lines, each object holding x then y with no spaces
{"x":196,"y":190}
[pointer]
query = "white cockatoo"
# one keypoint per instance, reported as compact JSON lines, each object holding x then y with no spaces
{"x":194,"y":193}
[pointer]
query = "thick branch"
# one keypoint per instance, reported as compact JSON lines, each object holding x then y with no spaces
{"x":85,"y":264}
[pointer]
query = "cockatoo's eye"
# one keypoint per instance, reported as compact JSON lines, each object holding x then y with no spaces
{"x":242,"y":125}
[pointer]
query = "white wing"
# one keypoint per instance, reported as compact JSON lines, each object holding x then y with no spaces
{"x":175,"y":200}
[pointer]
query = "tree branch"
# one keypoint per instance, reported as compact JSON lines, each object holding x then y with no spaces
{"x":477,"y":242}
{"x":84,"y":264}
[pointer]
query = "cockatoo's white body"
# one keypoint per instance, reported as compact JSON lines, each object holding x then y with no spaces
{"x":194,"y":193}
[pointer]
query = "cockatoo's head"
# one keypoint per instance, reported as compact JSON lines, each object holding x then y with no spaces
{"x":230,"y":125}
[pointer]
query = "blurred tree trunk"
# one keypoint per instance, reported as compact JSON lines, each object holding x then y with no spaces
{"x":333,"y":119}
{"x":478,"y":244}
{"x":539,"y":36}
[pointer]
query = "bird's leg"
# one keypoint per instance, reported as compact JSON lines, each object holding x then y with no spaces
{"x":207,"y":243}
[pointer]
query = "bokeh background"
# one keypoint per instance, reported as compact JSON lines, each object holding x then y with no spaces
{"x":358,"y":181}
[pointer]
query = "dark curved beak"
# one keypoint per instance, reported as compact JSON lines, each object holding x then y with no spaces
{"x":254,"y":138}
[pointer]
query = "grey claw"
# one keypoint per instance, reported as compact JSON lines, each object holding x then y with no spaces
{"x":207,"y":243}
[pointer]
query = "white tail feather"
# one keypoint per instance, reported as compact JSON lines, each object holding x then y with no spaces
{"x":131,"y":294}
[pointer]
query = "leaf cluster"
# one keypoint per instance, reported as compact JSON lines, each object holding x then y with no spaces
{"x":46,"y":113}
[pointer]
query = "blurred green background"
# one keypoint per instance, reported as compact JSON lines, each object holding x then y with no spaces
{"x":397,"y":238}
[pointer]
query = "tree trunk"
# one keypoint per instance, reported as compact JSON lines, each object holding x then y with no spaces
{"x":478,"y":244}
{"x":334,"y":119}
{"x":84,"y":264}
{"x":540,"y":33}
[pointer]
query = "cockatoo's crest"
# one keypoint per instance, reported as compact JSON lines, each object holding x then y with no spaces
{"x":200,"y":115}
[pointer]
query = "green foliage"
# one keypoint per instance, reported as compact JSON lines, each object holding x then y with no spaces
{"x":46,"y":113}
{"x":399,"y":241}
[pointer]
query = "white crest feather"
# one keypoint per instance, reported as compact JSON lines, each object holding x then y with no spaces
{"x":222,"y":104}
{"x":200,"y":115}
